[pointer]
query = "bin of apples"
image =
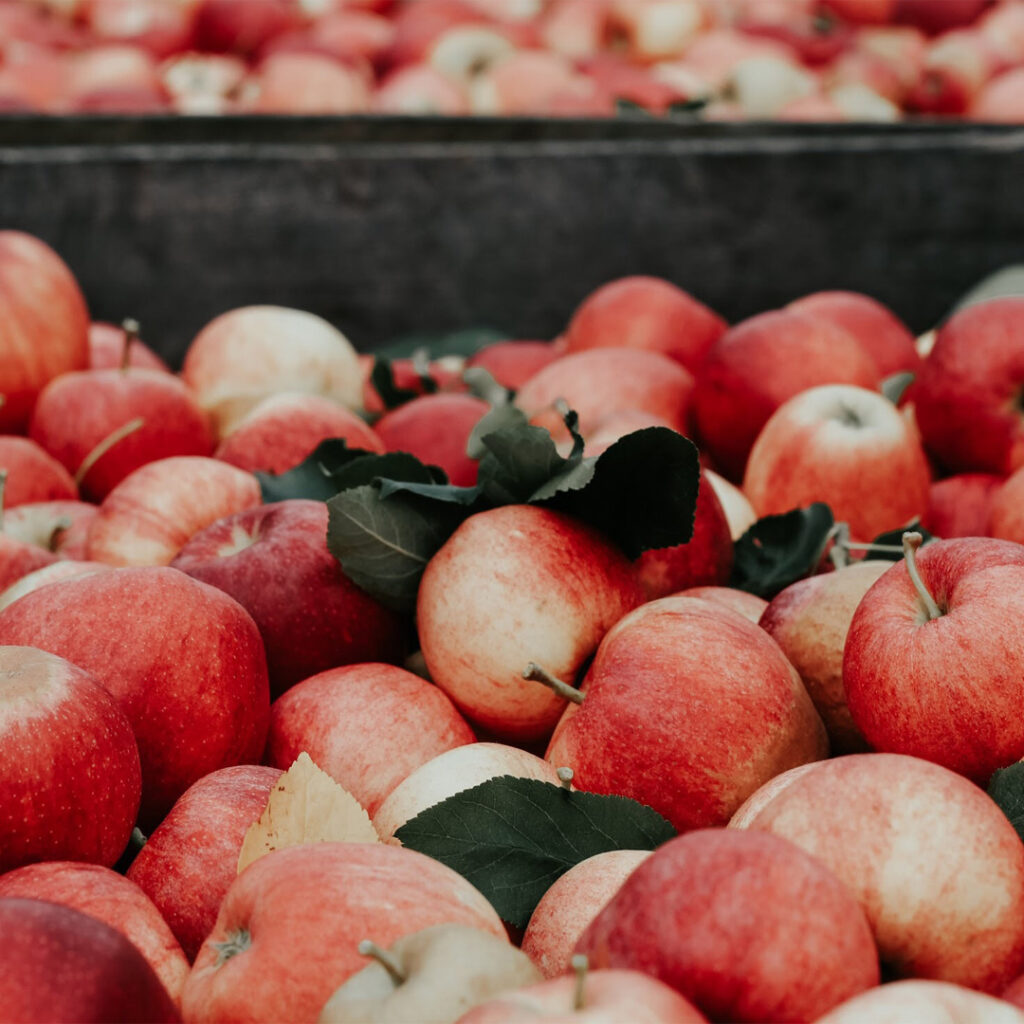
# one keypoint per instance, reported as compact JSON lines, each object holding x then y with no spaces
{"x":666,"y":671}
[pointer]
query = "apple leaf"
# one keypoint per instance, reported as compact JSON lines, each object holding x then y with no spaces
{"x":1006,"y":787}
{"x":306,"y":806}
{"x":779,"y":550}
{"x":512,"y":838}
{"x":382,"y":377}
{"x":465,"y":342}
{"x":888,"y":546}
{"x":1005,"y":283}
{"x":895,"y":387}
{"x":313,"y":477}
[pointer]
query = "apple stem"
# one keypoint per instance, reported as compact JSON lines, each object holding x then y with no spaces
{"x":840,"y":553}
{"x":385,"y":958}
{"x":911,"y":542}
{"x":580,"y":964}
{"x":565,"y":776}
{"x":115,"y":437}
{"x":131,"y":334}
{"x":537,"y":674}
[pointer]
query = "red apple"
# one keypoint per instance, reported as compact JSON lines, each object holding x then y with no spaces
{"x":191,"y":859}
{"x":62,"y":965}
{"x":112,"y":899}
{"x":110,"y":346}
{"x":617,"y":425}
{"x":1001,"y":99}
{"x":68,"y":761}
{"x":159,"y":26}
{"x":61,"y":527}
{"x":418,"y":25}
{"x":153,"y":512}
{"x":114,"y":77}
{"x":321,"y":901}
{"x":939,"y":15}
{"x":242,"y":26}
{"x":688,"y":708}
{"x":746,"y":925}
{"x":344,"y":34}
{"x":31,"y":474}
{"x":750,"y":606}
{"x":44,"y":325}
{"x":1005,"y":519}
{"x":956,"y":67}
{"x":411,"y":374}
{"x":308,"y":83}
{"x":18,"y":559}
{"x":513,"y":363}
{"x":873,"y":820}
{"x":848,"y":447}
{"x":923,"y":1000}
{"x":184,"y":661}
{"x":63,"y":570}
{"x":513,"y":585}
{"x":960,"y":506}
{"x":420,"y":89}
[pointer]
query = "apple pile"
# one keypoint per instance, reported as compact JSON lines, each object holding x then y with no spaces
{"x":462,"y":685}
{"x":807,"y":60}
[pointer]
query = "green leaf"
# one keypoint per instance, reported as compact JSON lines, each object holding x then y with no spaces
{"x":499,"y":418}
{"x":446,"y":493}
{"x":894,"y":539}
{"x":315,"y":476}
{"x":779,"y":550}
{"x":895,"y":387}
{"x":517,"y":461}
{"x":1005,"y":283}
{"x":630,"y":108}
{"x":481,"y":384}
{"x":465,"y":342}
{"x":1006,"y":787}
{"x":688,"y":106}
{"x":512,"y":838}
{"x":391,"y":395}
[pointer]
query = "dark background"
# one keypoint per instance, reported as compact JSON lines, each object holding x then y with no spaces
{"x":389,"y":228}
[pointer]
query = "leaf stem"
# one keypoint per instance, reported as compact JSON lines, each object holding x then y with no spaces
{"x":385,"y":958}
{"x":911,"y":542}
{"x":538,"y":674}
{"x":580,"y":964}
{"x":131,"y":335}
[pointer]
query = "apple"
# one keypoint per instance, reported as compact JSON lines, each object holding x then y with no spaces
{"x":18,"y":559}
{"x":159,"y":26}
{"x":112,"y":899}
{"x":668,"y":684}
{"x":513,"y":363}
{"x":62,"y":570}
{"x":244,"y":355}
{"x":745,"y":925}
{"x":614,"y":426}
{"x":419,"y":89}
{"x":646,"y":313}
{"x":102,"y":425}
{"x":307,"y":83}
{"x":872,"y":819}
{"x":242,"y":26}
{"x":320,"y":900}
{"x":435,"y":975}
{"x":416,"y":374}
{"x":903,"y":1001}
{"x":32,"y":474}
{"x":344,"y":34}
{"x":1005,"y":519}
{"x":330,"y":715}
{"x":848,"y":447}
{"x":467,"y":51}
{"x":750,"y":606}
{"x":960,"y":506}
{"x":190,"y":860}
{"x":418,"y":25}
{"x":576,"y":29}
{"x":809,"y":620}
{"x":114,"y":77}
{"x":658,"y":29}
{"x":110,"y":347}
{"x":735,"y":504}
{"x":571,"y":903}
{"x":714,"y":54}
{"x":63,"y":965}
{"x":453,"y":772}
{"x":955,"y":69}
{"x":203,"y":83}
{"x":68,"y":761}
{"x":61,"y":527}
{"x":184,"y":661}
{"x":535,"y":83}
{"x":933,"y":664}
{"x":512,"y":585}
{"x":154,"y":511}
{"x":1001,"y":99}
{"x":934,"y":16}
{"x":44,"y":325}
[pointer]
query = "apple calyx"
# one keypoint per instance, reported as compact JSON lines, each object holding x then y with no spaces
{"x":131,"y":334}
{"x":580,"y":964}
{"x":385,"y":958}
{"x":537,"y":674}
{"x":236,"y":942}
{"x":911,"y":542}
{"x":114,"y":437}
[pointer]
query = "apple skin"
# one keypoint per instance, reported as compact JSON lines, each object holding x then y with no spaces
{"x":882,"y":334}
{"x":610,"y":997}
{"x":1014,"y":992}
{"x":283,"y":429}
{"x":1004,"y":518}
{"x":44,"y":324}
{"x":759,"y":364}
{"x":735,"y":504}
{"x":697,"y":914}
{"x":513,"y":585}
{"x":513,"y":363}
{"x":322,"y":899}
{"x":273,"y":560}
{"x":191,"y":858}
{"x":453,"y":772}
{"x":646,"y":313}
{"x":112,"y":899}
{"x":69,"y":762}
{"x":572,"y":902}
{"x":960,"y":506}
{"x":848,"y":447}
{"x":18,"y":559}
{"x":705,"y":560}
{"x":902,"y":1001}
{"x":247,"y":354}
{"x":967,"y":395}
{"x":672,"y":716}
{"x":32,"y":474}
{"x":750,"y":606}
{"x":184,"y":661}
{"x":152,"y":514}
{"x":77,"y":411}
{"x":435,"y":428}
{"x":809,"y":620}
{"x":945,"y":690}
{"x":63,"y":965}
{"x":60,"y":527}
{"x":1001,"y":99}
{"x":330,"y":715}
{"x":62,"y":570}
{"x":872,"y":819}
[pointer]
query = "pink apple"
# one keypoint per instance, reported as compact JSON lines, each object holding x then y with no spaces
{"x":18,"y":559}
{"x":154,"y":511}
{"x":747,"y":926}
{"x":44,"y":325}
{"x":65,"y":569}
{"x":112,"y":899}
{"x":960,"y":506}
{"x":184,"y":661}
{"x":107,"y":350}
{"x":321,"y":900}
{"x":510,"y":586}
{"x":872,"y":819}
{"x":513,"y":363}
{"x":904,"y":1001}
{"x":574,"y":28}
{"x":617,"y":425}
{"x":420,"y":89}
{"x":750,"y":606}
{"x":63,"y":965}
{"x":32,"y":474}
{"x":759,"y":364}
{"x":1001,"y":99}
{"x":61,"y":527}
{"x":418,"y":25}
{"x":160,"y":26}
{"x":1005,"y":518}
{"x":688,"y":708}
{"x":191,"y":859}
{"x":114,"y":77}
{"x":308,"y":83}
{"x":68,"y":761}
